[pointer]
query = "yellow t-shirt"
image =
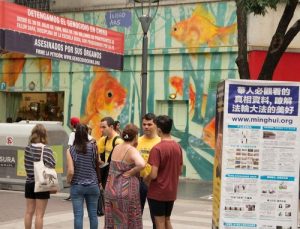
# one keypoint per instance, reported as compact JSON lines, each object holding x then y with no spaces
{"x":108,"y":146}
{"x":144,"y":146}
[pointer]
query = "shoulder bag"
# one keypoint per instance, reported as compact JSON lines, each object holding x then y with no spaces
{"x":45,"y":178}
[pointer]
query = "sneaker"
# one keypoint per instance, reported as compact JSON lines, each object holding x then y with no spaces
{"x":68,"y":199}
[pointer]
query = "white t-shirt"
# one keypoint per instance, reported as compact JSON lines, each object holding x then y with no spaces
{"x":72,"y":138}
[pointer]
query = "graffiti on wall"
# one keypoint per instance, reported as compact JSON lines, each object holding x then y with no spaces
{"x":197,"y":49}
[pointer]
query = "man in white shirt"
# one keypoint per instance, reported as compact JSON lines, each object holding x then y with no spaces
{"x":74,"y":121}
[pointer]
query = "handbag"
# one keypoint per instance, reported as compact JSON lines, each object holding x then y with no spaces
{"x":101,"y":207}
{"x":45,"y":178}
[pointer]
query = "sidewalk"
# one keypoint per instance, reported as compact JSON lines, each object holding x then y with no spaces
{"x":192,"y":210}
{"x":191,"y":214}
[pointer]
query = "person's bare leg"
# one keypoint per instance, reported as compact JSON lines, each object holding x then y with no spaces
{"x":160,"y":222}
{"x":30,"y":208}
{"x":40,"y":212}
{"x":168,"y":223}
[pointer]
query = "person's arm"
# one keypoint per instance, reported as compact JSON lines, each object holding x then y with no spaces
{"x":48,"y":158}
{"x":154,"y":161}
{"x":71,"y":138}
{"x":101,"y":149}
{"x":138,"y":161}
{"x":70,"y":167}
{"x":153,"y":174}
{"x":97,"y":158}
{"x":181,"y":161}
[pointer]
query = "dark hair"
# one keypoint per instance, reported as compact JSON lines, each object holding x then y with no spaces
{"x":38,"y":134}
{"x":9,"y":120}
{"x":81,"y":138}
{"x":116,"y":123}
{"x":149,"y":116}
{"x":18,"y":119}
{"x":164,"y":123}
{"x":130,"y":132}
{"x":109,"y":120}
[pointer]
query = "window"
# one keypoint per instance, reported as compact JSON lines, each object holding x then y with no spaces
{"x":35,"y":4}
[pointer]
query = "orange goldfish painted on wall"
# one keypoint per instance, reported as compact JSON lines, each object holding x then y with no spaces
{"x":177,"y":83}
{"x":13,"y":65}
{"x":45,"y":67}
{"x":209,"y":133}
{"x":201,"y":29}
{"x":106,"y":97}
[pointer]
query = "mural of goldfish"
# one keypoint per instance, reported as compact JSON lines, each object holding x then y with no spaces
{"x":209,"y":133}
{"x":106,"y":98}
{"x":177,"y":83}
{"x":201,"y":29}
{"x":14,"y":63}
{"x":45,"y":67}
{"x":12,"y":67}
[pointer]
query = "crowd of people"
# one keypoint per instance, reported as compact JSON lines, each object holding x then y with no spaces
{"x":130,"y":169}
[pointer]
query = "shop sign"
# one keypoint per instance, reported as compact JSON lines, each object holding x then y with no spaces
{"x":118,"y":18}
{"x":9,"y":140}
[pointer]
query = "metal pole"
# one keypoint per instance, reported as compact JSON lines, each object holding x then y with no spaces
{"x":145,"y":19}
{"x":144,"y":74}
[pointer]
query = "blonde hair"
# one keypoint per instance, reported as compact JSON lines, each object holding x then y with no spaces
{"x":39,"y":134}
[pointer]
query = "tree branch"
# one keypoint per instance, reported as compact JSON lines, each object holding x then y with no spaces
{"x":287,"y":16}
{"x":290,"y":35}
{"x":279,"y":42}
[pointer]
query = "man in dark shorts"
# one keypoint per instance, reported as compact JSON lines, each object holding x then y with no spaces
{"x":166,"y":161}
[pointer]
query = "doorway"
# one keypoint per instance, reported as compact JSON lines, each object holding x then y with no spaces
{"x":176,"y":109}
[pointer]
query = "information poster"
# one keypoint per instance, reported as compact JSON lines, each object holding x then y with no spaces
{"x":259,"y":155}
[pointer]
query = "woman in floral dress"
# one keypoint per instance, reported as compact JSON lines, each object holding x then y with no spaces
{"x":122,"y":198}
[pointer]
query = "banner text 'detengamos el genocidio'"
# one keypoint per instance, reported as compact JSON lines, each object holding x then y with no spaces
{"x":39,"y":33}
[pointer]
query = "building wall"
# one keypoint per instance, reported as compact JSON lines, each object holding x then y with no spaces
{"x":76,"y":5}
{"x":60,"y":5}
{"x":262,"y":28}
{"x":3,"y":105}
{"x":188,"y":62}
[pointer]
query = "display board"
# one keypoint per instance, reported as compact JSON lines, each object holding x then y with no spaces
{"x":256,"y":177}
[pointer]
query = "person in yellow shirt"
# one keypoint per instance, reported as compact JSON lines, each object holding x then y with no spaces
{"x":145,"y":144}
{"x":106,"y":144}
